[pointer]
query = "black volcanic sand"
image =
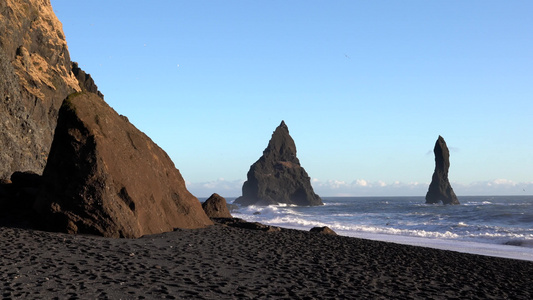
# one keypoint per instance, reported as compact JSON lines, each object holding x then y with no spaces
{"x":222,"y":262}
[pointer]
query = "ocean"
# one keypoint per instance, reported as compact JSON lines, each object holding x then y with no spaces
{"x":489,"y":225}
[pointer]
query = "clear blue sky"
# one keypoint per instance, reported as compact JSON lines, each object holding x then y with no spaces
{"x":365,"y":87}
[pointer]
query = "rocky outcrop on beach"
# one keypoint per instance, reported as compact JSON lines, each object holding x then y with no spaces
{"x":277,"y":177}
{"x":323,"y":230}
{"x":440,"y":189}
{"x":216,"y":207}
{"x":240,"y":223}
{"x":106,"y":177}
{"x":35,"y":77}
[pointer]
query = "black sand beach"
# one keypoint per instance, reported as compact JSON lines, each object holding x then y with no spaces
{"x":221,"y":262}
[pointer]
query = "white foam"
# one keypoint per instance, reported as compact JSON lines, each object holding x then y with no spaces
{"x":459,"y":236}
{"x":505,"y":251}
{"x":421,"y":238}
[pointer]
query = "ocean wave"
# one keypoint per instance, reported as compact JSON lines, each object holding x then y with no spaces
{"x":284,"y":205}
{"x":499,"y":235}
{"x":401,"y":232}
{"x":495,"y":221}
{"x":488,"y":203}
{"x":292,"y":221}
{"x":333,"y":203}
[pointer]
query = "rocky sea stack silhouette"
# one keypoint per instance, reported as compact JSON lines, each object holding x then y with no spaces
{"x":277,"y":177}
{"x":101,"y":174}
{"x":440,"y":189}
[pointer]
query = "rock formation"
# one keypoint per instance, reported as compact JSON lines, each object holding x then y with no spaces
{"x":323,"y":230}
{"x":105,"y":177}
{"x":85,"y":80}
{"x":240,"y":223}
{"x":35,"y":77}
{"x":440,"y":189}
{"x":216,"y":207}
{"x":277,"y":176}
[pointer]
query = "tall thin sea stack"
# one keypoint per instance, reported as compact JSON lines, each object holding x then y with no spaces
{"x":277,"y":177}
{"x":440,"y":188}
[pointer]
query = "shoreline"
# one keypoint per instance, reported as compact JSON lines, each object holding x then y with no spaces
{"x":234,"y":263}
{"x":508,"y":251}
{"x":514,"y":246}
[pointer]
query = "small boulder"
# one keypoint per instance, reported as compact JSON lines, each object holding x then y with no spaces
{"x":323,"y":230}
{"x":216,"y":207}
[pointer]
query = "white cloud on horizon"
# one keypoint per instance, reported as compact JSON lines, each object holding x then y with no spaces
{"x":221,"y":186}
{"x":363,"y":187}
{"x":498,"y":186}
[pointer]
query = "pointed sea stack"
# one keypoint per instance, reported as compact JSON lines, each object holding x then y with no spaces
{"x":277,"y":176}
{"x":440,"y":188}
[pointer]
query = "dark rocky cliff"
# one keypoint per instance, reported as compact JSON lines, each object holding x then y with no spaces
{"x":102,"y":176}
{"x":277,"y":177}
{"x":35,"y":77}
{"x":440,"y":189}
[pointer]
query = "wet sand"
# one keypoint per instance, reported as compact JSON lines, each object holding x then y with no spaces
{"x":221,"y":262}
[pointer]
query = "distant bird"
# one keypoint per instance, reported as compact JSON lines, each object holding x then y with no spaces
{"x":346,"y":55}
